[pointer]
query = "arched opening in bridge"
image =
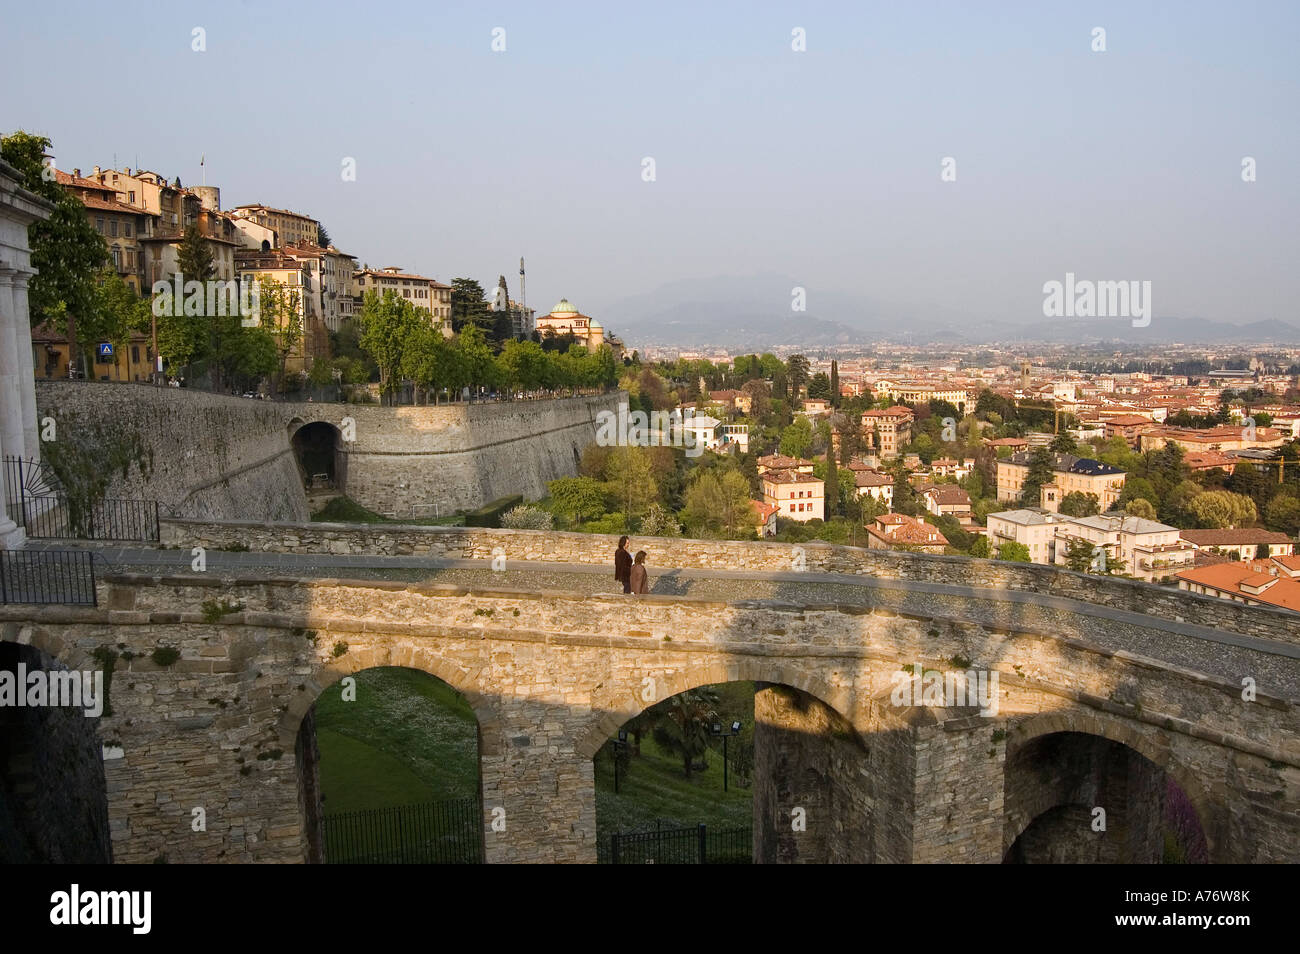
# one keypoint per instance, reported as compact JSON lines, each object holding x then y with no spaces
{"x":322,"y":464}
{"x":1077,"y":798}
{"x":388,"y":768}
{"x":53,"y":796}
{"x":730,"y":773}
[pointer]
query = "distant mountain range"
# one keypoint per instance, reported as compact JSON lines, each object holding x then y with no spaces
{"x":752,"y":314}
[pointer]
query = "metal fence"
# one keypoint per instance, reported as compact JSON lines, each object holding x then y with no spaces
{"x":449,"y":832}
{"x":47,"y":576}
{"x":55,"y":516}
{"x":35,"y":500}
{"x":678,"y":846}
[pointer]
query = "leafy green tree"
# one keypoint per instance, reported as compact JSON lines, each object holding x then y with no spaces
{"x":1222,"y":508}
{"x":1064,"y":443}
{"x":797,"y":438}
{"x":1079,"y":554}
{"x":796,"y":373}
{"x":323,"y":236}
{"x":819,"y":388}
{"x":1039,"y":475}
{"x":431,"y":362}
{"x":1140,"y":507}
{"x":718,"y":503}
{"x":1283,"y":514}
{"x":1078,"y":504}
{"x":1014,"y":552}
{"x":469,"y":305}
{"x":578,"y":498}
{"x":281,"y":316}
{"x":67,"y":252}
{"x":835,"y":384}
{"x":388,"y":325}
{"x":682,"y":723}
{"x":980,"y":548}
{"x":631,"y":480}
{"x":526,"y":517}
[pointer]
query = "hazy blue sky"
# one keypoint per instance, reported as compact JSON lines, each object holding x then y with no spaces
{"x":822,"y":166}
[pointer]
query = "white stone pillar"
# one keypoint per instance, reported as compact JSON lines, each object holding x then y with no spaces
{"x":11,"y":382}
{"x":11,"y":535}
{"x":23,"y":332}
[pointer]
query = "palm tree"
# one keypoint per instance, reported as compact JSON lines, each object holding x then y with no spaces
{"x":683,"y":724}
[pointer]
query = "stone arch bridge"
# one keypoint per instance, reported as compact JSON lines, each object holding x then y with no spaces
{"x":1079,"y":723}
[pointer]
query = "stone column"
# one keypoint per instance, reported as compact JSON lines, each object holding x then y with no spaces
{"x":11,"y":382}
{"x":11,"y":535}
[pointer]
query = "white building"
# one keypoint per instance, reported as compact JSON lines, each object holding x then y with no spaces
{"x":797,"y":496}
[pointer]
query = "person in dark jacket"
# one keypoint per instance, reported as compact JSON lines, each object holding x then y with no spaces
{"x":623,"y":565}
{"x":640,"y":579}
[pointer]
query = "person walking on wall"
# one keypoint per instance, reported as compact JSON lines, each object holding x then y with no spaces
{"x":640,"y":579}
{"x":623,"y":565}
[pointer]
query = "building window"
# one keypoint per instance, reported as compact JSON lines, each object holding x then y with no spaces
{"x":99,"y":224}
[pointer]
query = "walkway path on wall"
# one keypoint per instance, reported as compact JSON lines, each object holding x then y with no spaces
{"x":1234,"y":656}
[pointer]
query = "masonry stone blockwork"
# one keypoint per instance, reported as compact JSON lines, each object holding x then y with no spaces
{"x":551,"y":676}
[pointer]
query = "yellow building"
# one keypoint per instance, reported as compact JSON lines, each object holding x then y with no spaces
{"x":298,"y":281}
{"x":1070,"y":474}
{"x":291,"y":228}
{"x":426,"y":294}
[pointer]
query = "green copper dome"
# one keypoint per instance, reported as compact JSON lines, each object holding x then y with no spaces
{"x":564,"y":308}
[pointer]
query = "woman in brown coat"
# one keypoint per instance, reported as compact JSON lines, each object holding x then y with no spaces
{"x":623,"y":565}
{"x":640,"y":579}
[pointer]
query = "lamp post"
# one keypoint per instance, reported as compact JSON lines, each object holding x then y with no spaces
{"x":619,"y":744}
{"x":717,"y":728}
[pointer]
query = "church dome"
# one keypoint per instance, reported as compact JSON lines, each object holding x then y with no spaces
{"x":564,"y":308}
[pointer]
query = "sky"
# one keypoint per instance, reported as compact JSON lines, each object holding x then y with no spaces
{"x":822,"y":165}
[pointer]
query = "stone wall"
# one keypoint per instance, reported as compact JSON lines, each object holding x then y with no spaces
{"x":209,"y":456}
{"x":550,"y":676}
{"x":473,"y":543}
{"x":198,"y":454}
{"x":462,"y":456}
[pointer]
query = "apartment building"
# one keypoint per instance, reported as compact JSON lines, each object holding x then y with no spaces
{"x":301,"y":285}
{"x":1036,"y":529}
{"x":290,"y":228}
{"x":890,"y":429}
{"x":796,"y":496}
{"x":1200,"y":440}
{"x":426,"y":294}
{"x":1142,"y":548}
{"x":331,"y":272}
{"x":1069,"y":474}
{"x":916,"y":392}
{"x":122,"y":226}
{"x":1241,"y":543}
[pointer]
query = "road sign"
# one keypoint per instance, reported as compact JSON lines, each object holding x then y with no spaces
{"x":105,"y":349}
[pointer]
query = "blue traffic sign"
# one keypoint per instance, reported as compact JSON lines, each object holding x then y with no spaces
{"x":105,"y":349}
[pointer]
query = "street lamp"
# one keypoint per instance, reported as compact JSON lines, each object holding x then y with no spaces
{"x":717,"y":728}
{"x":619,"y":744}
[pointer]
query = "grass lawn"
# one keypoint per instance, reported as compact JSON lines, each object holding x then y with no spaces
{"x":410,"y":738}
{"x":407,"y":738}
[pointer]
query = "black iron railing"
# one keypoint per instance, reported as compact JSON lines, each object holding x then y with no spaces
{"x":54,"y":516}
{"x":678,"y":846}
{"x":448,"y":832}
{"x":47,"y":576}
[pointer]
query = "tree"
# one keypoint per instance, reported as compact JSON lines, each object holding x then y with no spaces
{"x":819,"y":388}
{"x":980,"y":548}
{"x":67,"y":252}
{"x":760,"y":400}
{"x":578,"y":498}
{"x":1078,"y":504}
{"x":1140,"y":507}
{"x":832,"y":484}
{"x":717,"y":503}
{"x":797,"y":438}
{"x":1079,"y":554}
{"x":1283,"y":514}
{"x":1040,"y":474}
{"x":1014,"y":552}
{"x":682,"y":724}
{"x":796,"y":373}
{"x":526,"y":517}
{"x":387,"y":326}
{"x":474,"y":357}
{"x":835,"y":384}
{"x":323,"y":236}
{"x":469,"y":305}
{"x":631,"y":481}
{"x":1063,"y":443}
{"x":281,"y":316}
{"x":1222,"y":508}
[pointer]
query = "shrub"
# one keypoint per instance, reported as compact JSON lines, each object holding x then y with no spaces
{"x":525,"y":517}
